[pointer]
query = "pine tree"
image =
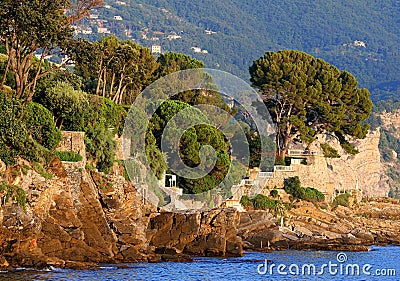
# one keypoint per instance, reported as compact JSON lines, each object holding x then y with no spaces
{"x":307,"y":97}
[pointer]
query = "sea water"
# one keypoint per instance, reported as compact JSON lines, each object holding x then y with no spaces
{"x":380,"y":263}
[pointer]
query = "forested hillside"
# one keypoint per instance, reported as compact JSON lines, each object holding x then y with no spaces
{"x":360,"y":36}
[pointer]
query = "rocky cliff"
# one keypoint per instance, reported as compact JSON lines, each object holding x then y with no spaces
{"x":390,"y":122}
{"x":374,"y":222}
{"x":79,"y":217}
{"x":364,"y":171}
{"x":74,"y":217}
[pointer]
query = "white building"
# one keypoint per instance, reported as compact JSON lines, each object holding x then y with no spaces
{"x":196,"y":49}
{"x":156,"y":49}
{"x":209,"y":32}
{"x":173,"y":37}
{"x":358,"y":43}
{"x":87,"y":30}
{"x":103,"y":30}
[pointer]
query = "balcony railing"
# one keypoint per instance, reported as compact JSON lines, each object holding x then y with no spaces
{"x":283,"y":168}
{"x":265,"y":174}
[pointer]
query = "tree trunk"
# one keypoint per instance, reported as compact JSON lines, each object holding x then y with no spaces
{"x":104,"y":82}
{"x":123,"y":93}
{"x":118,"y":93}
{"x":112,"y":85}
{"x":32,"y":85}
{"x":100,"y":73}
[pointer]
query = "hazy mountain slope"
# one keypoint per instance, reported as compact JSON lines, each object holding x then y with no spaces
{"x":246,"y":29}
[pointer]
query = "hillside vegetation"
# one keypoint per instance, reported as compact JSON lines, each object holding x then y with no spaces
{"x":243,"y":30}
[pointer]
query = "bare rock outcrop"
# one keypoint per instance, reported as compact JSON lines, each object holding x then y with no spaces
{"x":373,"y":222}
{"x":79,"y":218}
{"x":211,"y":233}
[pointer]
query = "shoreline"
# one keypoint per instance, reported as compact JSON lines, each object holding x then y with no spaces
{"x":71,"y":221}
{"x":194,"y":259}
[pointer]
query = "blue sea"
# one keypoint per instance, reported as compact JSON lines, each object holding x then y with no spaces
{"x":380,"y":263}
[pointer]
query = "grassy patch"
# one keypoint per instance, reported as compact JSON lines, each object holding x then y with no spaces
{"x":69,"y":156}
{"x":25,"y":168}
{"x":259,"y":202}
{"x":342,"y":200}
{"x":15,"y":193}
{"x":38,"y":168}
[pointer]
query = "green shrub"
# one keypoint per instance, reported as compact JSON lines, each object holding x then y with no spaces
{"x":350,"y":148}
{"x":260,"y":202}
{"x":274,"y":193}
{"x":20,"y":198}
{"x":69,"y":156}
{"x":329,"y":151}
{"x":15,"y":193}
{"x":63,"y":101}
{"x":342,"y":200}
{"x":39,"y":122}
{"x":98,"y":117}
{"x":312,"y":194}
{"x":279,"y":161}
{"x":25,"y":169}
{"x":294,"y":188}
{"x":100,"y":147}
{"x":7,"y":154}
{"x":15,"y":137}
{"x":38,"y":168}
{"x":89,"y":167}
{"x":246,"y":201}
{"x":263,"y":202}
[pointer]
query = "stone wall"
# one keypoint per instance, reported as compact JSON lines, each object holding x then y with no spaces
{"x":73,"y":141}
{"x":123,"y":147}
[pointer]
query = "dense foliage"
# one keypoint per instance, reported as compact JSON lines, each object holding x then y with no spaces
{"x":307,"y":97}
{"x":13,"y":192}
{"x":294,"y":188}
{"x":111,"y":71}
{"x":75,"y":110}
{"x":28,"y":132}
{"x":260,"y":202}
{"x":171,"y":62}
{"x":325,"y":29}
{"x":69,"y":156}
{"x":27,"y":27}
{"x":329,"y":151}
{"x":114,"y":68}
{"x":189,"y":146}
